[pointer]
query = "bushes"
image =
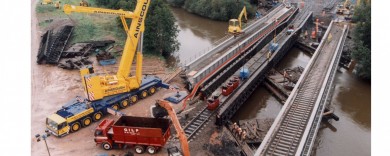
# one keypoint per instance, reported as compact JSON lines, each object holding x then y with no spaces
{"x":362,"y":39}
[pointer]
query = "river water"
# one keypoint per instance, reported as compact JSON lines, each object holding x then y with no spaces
{"x":350,"y":136}
{"x":197,"y":34}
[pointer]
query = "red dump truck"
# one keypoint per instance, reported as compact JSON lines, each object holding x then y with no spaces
{"x":142,"y":133}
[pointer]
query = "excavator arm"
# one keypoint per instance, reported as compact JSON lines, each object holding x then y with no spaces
{"x":176,"y":124}
{"x":243,"y":13}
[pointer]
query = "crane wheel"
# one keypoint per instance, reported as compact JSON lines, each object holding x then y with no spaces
{"x":75,"y":127}
{"x":97,"y":116}
{"x":133,"y":99}
{"x":106,"y":146}
{"x":144,"y":94}
{"x":124,"y":103}
{"x":87,"y":121}
{"x":152,"y":90}
{"x":139,"y":149}
{"x":151,"y":149}
{"x":115,"y":106}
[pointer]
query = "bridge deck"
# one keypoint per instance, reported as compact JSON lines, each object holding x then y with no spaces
{"x":289,"y":128}
{"x":225,"y":46}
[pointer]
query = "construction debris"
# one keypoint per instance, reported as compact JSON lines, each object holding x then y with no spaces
{"x":100,"y":44}
{"x":255,"y":129}
{"x":105,"y":58}
{"x":77,"y":49}
{"x":74,"y":63}
{"x":52,"y":45}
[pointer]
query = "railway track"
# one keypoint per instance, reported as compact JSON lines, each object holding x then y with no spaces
{"x":203,"y":116}
{"x":287,"y":137}
{"x":197,"y":122}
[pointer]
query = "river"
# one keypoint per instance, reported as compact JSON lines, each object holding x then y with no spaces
{"x":350,"y":136}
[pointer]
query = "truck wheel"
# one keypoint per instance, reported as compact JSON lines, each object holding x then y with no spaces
{"x":115,"y":106}
{"x":151,"y":149}
{"x":87,"y":121}
{"x":106,"y":146}
{"x":139,"y":149}
{"x":152,"y":90}
{"x":75,"y":127}
{"x":133,"y":99}
{"x":144,"y":94}
{"x":124,"y":103}
{"x":97,"y":116}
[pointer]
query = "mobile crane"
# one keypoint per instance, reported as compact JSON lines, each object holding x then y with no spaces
{"x":109,"y":92}
{"x":165,"y":105}
{"x":235,"y":26}
{"x":97,"y":87}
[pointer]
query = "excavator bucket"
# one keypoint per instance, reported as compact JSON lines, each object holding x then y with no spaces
{"x":158,"y":111}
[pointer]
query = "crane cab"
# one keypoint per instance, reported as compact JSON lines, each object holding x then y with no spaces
{"x":234,"y":26}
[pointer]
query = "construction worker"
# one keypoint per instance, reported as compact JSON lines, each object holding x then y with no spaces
{"x":269,"y":55}
{"x":305,"y":34}
{"x":236,"y":130}
{"x":243,"y":136}
{"x":234,"y":127}
{"x":330,"y":37}
{"x":239,"y":132}
{"x":285,"y":75}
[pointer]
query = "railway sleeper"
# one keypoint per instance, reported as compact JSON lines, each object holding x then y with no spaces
{"x":294,"y":141}
{"x":297,"y":124}
{"x":197,"y":123}
{"x":189,"y":132}
{"x":274,"y":151}
{"x":280,"y":136}
{"x":288,"y":133}
{"x":276,"y":154}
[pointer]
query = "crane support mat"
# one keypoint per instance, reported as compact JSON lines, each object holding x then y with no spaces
{"x":107,"y":62}
{"x":177,"y":97}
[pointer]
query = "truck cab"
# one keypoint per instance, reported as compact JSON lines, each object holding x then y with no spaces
{"x":102,"y":134}
{"x":57,"y":125}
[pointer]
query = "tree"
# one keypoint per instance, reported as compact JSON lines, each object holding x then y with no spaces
{"x":363,"y":56}
{"x":362,"y":39}
{"x":160,"y":28}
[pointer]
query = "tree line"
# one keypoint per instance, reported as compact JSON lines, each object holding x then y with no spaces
{"x":160,"y":36}
{"x":216,"y":9}
{"x":362,"y":40}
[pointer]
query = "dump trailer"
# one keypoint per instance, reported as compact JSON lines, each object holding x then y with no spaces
{"x":142,"y":133}
{"x":80,"y":112}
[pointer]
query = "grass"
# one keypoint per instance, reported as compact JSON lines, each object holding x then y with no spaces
{"x":87,"y":26}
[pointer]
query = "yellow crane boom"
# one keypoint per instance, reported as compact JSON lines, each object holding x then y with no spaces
{"x":98,"y":87}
